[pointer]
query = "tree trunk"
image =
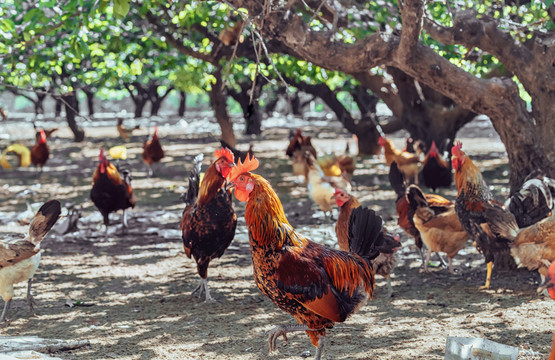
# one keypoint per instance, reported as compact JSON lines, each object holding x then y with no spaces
{"x":218,"y":102}
{"x":253,"y":119}
{"x":182,"y":103}
{"x":71,"y":106}
{"x":251,"y":111}
{"x":90,"y":101}
{"x":140,"y":106}
{"x":155,"y":98}
{"x":295,"y":102}
{"x":271,"y":104}
{"x":58,"y":106}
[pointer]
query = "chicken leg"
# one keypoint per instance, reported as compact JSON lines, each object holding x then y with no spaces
{"x":488,"y":276}
{"x":30,"y":298}
{"x":124,"y":222}
{"x":4,"y":313}
{"x":203,"y":287}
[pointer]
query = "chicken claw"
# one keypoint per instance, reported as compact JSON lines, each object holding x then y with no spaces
{"x":282,"y":330}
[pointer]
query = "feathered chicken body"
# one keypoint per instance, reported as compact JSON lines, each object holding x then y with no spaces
{"x":124,"y":132}
{"x":152,"y":150}
{"x":110,"y":192}
{"x":439,"y":232}
{"x":40,"y":151}
{"x":384,"y":263}
{"x":319,"y":190}
{"x":534,"y":201}
{"x":408,"y":163}
{"x":317,"y":285}
{"x":19,"y":259}
{"x":208,"y":223}
{"x":405,"y":213}
{"x":473,"y":199}
{"x":436,"y":171}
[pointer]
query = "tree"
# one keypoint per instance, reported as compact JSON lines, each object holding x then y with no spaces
{"x":333,"y":40}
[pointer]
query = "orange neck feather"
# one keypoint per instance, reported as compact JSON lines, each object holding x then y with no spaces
{"x":467,"y":173}
{"x":111,"y":172}
{"x":264,"y":215}
{"x":211,"y":183}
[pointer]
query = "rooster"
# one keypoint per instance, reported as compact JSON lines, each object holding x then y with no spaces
{"x":110,"y":192}
{"x":408,"y":163}
{"x":436,"y":171}
{"x":19,"y":259}
{"x":549,"y":285}
{"x":208,"y":223}
{"x":350,"y":207}
{"x":152,"y":151}
{"x":319,"y":286}
{"x":473,"y":199}
{"x":40,"y":152}
{"x":440,"y":232}
{"x":405,"y":213}
{"x":124,"y":132}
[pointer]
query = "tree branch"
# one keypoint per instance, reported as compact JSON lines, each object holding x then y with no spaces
{"x":411,"y":15}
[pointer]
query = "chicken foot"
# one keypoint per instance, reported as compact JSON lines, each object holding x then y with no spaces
{"x":321,"y":342}
{"x":202,"y":287}
{"x":488,"y":276}
{"x":30,"y":299}
{"x":4,"y":313}
{"x":282,"y":330}
{"x":124,"y":222}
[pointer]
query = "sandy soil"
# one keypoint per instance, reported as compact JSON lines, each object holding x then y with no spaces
{"x":139,"y":285}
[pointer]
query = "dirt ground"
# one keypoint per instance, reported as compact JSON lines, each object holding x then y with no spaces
{"x":138,"y":286}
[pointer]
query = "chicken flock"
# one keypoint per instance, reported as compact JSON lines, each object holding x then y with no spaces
{"x":318,"y":285}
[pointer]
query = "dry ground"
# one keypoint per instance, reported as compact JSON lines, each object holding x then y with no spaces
{"x":139,"y":285}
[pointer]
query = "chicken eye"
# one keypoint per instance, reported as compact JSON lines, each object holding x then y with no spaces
{"x":241,"y":178}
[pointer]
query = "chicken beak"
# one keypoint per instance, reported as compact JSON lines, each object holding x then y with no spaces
{"x":229,"y":185}
{"x":332,"y":197}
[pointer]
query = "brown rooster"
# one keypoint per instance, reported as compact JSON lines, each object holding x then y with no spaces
{"x":152,"y":151}
{"x":385,"y":262}
{"x":40,"y":151}
{"x":473,"y":199}
{"x":19,"y":259}
{"x":319,"y":286}
{"x":110,"y":192}
{"x":208,"y":223}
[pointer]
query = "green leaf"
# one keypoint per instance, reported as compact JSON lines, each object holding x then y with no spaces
{"x":121,"y":8}
{"x":7,"y":25}
{"x":548,"y":2}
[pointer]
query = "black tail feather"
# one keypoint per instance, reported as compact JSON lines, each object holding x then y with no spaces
{"x":501,"y":222}
{"x":194,"y":181}
{"x":366,"y":237}
{"x":43,"y":221}
{"x":397,"y":180}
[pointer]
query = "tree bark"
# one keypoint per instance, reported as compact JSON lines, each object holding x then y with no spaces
{"x":90,"y":100}
{"x":70,"y":100}
{"x":182,"y":103}
{"x":157,"y":99}
{"x":251,"y":111}
{"x":140,"y":99}
{"x":58,"y":106}
{"x":218,"y":102}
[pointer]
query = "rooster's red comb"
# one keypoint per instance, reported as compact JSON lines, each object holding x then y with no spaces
{"x":456,"y":149}
{"x":241,"y":168}
{"x":224,"y":152}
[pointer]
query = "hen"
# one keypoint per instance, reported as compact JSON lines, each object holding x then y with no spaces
{"x":19,"y":259}
{"x":440,"y":232}
{"x":208,"y":222}
{"x":408,"y":163}
{"x":110,"y":192}
{"x":319,"y":286}
{"x":124,"y":132}
{"x":473,"y":199}
{"x":405,"y":213}
{"x":152,"y":151}
{"x":436,"y":171}
{"x":320,"y":191}
{"x":532,"y":246}
{"x":385,"y":262}
{"x":40,"y":151}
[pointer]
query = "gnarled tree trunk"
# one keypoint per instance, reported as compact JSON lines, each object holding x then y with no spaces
{"x":218,"y":102}
{"x":70,"y":101}
{"x":182,"y":103}
{"x":90,"y":100}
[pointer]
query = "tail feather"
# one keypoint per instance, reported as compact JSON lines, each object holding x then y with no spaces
{"x":366,"y":237}
{"x":502,"y":223}
{"x":194,"y":181}
{"x":397,"y":179}
{"x":43,"y":221}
